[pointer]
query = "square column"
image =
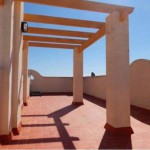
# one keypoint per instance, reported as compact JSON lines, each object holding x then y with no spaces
{"x":6,"y":51}
{"x":17,"y":82}
{"x":118,"y":87}
{"x":25,"y":74}
{"x":78,"y":78}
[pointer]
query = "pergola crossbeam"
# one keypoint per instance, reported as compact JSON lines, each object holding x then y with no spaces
{"x":62,"y":21}
{"x":82,"y":5}
{"x":99,"y":34}
{"x":34,"y":30}
{"x":1,"y":2}
{"x":52,"y":39}
{"x":48,"y":45}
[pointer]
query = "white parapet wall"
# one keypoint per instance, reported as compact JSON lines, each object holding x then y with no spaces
{"x":140,"y":83}
{"x":50,"y":84}
{"x":96,"y":86}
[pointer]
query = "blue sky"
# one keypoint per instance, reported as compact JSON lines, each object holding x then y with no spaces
{"x":58,"y":62}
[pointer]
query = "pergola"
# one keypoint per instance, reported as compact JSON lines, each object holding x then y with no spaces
{"x":117,"y":49}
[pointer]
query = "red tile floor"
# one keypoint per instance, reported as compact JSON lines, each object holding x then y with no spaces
{"x":51,"y":122}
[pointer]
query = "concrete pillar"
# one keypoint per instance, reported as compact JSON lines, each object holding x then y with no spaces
{"x":25,"y":74}
{"x":78,"y":78}
{"x":17,"y":94}
{"x":6,"y":47}
{"x":118,"y":87}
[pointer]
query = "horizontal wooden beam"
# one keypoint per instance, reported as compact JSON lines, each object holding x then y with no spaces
{"x":82,"y":5}
{"x":34,"y":30}
{"x":99,"y":34}
{"x":47,"y":45}
{"x":61,"y":21}
{"x":1,"y":2}
{"x":51,"y":39}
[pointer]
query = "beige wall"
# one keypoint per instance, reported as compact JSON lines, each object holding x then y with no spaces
{"x":140,"y":83}
{"x":96,"y":86}
{"x":50,"y":84}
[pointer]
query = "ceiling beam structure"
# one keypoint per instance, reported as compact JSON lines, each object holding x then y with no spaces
{"x":99,"y":34}
{"x":52,"y":39}
{"x":48,"y":45}
{"x":69,"y":43}
{"x":62,"y":21}
{"x":1,"y":2}
{"x":33,"y":30}
{"x":82,"y":5}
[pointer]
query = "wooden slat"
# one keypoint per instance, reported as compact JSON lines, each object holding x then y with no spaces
{"x":82,"y":5}
{"x":99,"y":34}
{"x":61,"y":21}
{"x":51,"y":39}
{"x":1,"y":2}
{"x":59,"y":32}
{"x":47,"y":45}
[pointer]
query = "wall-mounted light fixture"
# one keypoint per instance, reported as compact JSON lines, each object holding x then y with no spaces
{"x":24,"y":27}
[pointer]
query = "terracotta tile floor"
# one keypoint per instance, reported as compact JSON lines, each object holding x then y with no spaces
{"x":51,"y":122}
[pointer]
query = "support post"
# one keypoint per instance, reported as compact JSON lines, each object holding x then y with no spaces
{"x":17,"y":82}
{"x":25,"y":73}
{"x":118,"y":87}
{"x":78,"y":78}
{"x":6,"y":50}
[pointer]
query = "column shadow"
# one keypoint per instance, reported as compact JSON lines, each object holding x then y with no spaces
{"x":64,"y":135}
{"x":115,"y":142}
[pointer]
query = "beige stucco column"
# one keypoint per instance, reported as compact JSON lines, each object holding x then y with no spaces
{"x":118,"y":86}
{"x":17,"y":82}
{"x":25,"y":73}
{"x":78,"y":77}
{"x":6,"y":47}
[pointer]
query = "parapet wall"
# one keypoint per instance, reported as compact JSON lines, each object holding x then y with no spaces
{"x":96,"y":86}
{"x":50,"y":84}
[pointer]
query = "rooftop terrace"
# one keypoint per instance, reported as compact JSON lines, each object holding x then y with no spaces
{"x":52,"y":122}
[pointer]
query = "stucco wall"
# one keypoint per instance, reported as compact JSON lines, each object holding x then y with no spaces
{"x":50,"y":84}
{"x":96,"y":86}
{"x":140,"y":83}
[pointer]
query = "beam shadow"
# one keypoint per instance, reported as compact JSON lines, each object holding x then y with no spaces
{"x":42,"y":125}
{"x":115,"y":142}
{"x":39,"y":140}
{"x":33,"y":115}
{"x":66,"y":140}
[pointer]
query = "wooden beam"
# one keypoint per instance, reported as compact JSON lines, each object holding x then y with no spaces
{"x":99,"y":34}
{"x":51,"y":39}
{"x":82,"y":5}
{"x":1,"y":2}
{"x":47,"y":45}
{"x":34,"y":30}
{"x":62,"y":21}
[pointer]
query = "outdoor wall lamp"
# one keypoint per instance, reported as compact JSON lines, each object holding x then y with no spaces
{"x":24,"y":27}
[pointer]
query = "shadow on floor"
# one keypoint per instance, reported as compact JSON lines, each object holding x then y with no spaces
{"x":97,"y":101}
{"x":42,"y":125}
{"x":67,"y":141}
{"x":115,"y":142}
{"x":64,"y":136}
{"x":141,"y":114}
{"x":138,"y":113}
